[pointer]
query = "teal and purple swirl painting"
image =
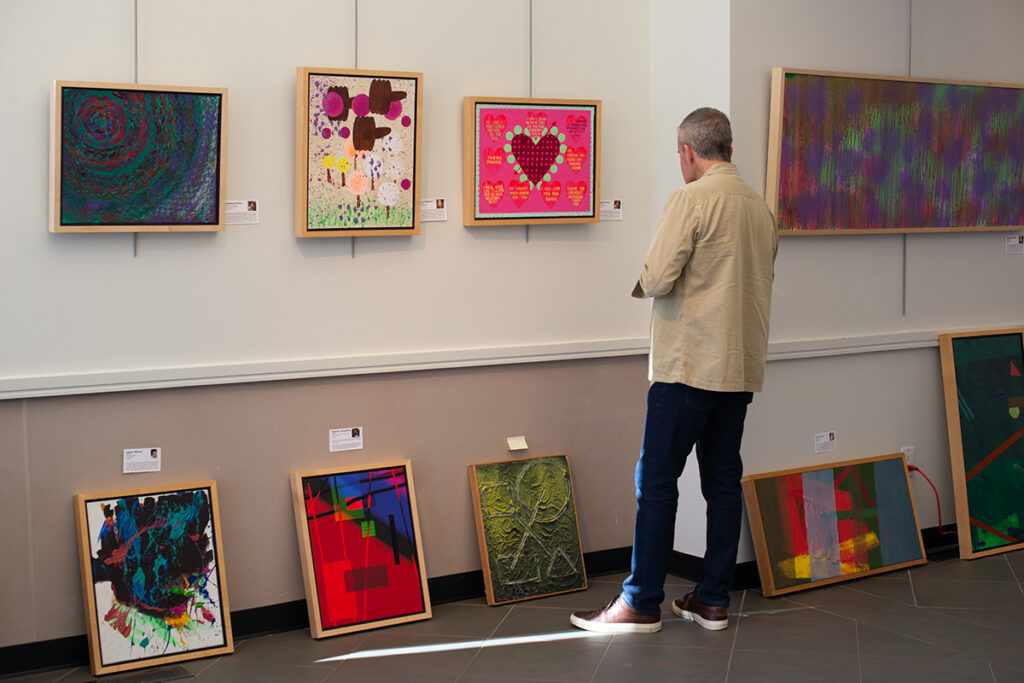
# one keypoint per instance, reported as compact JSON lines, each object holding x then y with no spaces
{"x":862,"y":153}
{"x":139,"y":157}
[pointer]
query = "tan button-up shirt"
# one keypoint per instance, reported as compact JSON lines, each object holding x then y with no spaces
{"x":710,"y":270}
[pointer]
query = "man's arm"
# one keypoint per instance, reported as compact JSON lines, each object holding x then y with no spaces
{"x":672,"y":246}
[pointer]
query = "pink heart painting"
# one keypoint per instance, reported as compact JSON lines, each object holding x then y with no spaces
{"x":518,"y":191}
{"x":495,"y":125}
{"x":576,"y":192}
{"x":576,"y":126}
{"x":494,"y":158}
{"x":493,"y":192}
{"x":575,"y":157}
{"x":535,"y":158}
{"x":550,"y":191}
{"x":536,"y":122}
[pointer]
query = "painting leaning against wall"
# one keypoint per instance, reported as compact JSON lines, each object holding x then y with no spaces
{"x":526,"y":527}
{"x":357,"y":152}
{"x":983,"y":377}
{"x":152,"y":576}
{"x":817,"y":525}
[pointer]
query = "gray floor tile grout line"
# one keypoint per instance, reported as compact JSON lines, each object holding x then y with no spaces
{"x":913,"y":593}
{"x":1016,"y":578}
{"x":992,"y":672}
{"x":735,"y":635}
{"x":600,"y":661}
{"x":480,"y":649}
{"x":860,"y":664}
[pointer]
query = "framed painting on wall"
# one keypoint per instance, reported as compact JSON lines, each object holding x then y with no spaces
{"x":359,"y":542}
{"x":526,"y":527}
{"x":136,"y":158}
{"x":153,"y":576}
{"x":984,"y":388}
{"x":861,"y":154}
{"x":528,"y":160}
{"x":357,"y":152}
{"x":813,"y":526}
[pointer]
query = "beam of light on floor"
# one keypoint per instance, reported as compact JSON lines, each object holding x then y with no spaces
{"x":444,"y":647}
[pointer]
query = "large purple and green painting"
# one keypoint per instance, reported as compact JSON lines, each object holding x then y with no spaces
{"x":859,"y":154}
{"x":138,"y":158}
{"x":152,"y":576}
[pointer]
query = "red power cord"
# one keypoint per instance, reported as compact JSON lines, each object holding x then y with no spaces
{"x":914,"y":468}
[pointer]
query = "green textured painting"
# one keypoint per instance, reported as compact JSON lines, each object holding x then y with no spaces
{"x":984,"y":386}
{"x":526,"y":526}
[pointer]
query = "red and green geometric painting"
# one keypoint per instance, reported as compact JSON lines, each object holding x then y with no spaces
{"x":832,"y":523}
{"x":360,"y":548}
{"x":987,"y":440}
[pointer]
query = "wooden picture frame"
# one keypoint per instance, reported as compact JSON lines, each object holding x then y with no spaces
{"x":984,"y":392}
{"x":526,"y":526}
{"x":822,"y":524}
{"x":359,"y":537}
{"x":867,"y":154}
{"x":153,"y":576}
{"x":357,"y":152}
{"x":530,"y":161}
{"x":136,"y":158}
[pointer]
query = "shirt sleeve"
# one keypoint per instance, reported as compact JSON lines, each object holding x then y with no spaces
{"x":672,"y":246}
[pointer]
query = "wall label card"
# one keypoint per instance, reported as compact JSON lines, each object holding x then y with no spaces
{"x":347,"y":439}
{"x":141,"y":460}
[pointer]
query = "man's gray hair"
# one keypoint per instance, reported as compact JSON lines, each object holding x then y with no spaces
{"x":708,"y":132}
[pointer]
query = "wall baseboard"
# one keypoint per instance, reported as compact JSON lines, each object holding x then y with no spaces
{"x":61,"y":653}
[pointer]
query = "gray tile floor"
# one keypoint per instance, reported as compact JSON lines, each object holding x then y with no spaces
{"x":949,"y":620}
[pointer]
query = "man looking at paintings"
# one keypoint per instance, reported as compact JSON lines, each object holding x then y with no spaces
{"x":709,"y":270}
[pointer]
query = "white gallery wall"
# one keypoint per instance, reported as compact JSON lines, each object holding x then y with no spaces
{"x":254,"y":301}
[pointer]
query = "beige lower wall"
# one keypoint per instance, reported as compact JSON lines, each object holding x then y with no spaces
{"x":250,"y":437}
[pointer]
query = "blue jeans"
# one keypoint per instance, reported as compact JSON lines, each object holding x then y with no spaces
{"x":679,"y":417}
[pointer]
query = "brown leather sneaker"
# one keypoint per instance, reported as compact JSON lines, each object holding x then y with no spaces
{"x":617,"y":617}
{"x":710,"y":617}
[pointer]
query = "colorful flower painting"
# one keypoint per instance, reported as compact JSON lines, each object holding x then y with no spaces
{"x":531,"y":161}
{"x":357,"y":153}
{"x":153,"y":577}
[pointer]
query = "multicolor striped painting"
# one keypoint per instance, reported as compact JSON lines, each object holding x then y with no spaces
{"x":153,"y":576}
{"x":867,"y":154}
{"x":360,"y":548}
{"x":833,"y":523}
{"x":983,"y":375}
{"x":137,"y":158}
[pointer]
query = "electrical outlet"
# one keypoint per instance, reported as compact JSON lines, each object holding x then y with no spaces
{"x":908,"y":453}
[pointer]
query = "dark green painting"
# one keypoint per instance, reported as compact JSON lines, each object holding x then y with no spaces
{"x":526,"y":521}
{"x":990,"y":397}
